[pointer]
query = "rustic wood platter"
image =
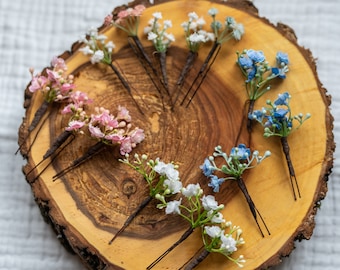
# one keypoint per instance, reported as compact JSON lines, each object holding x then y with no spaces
{"x":89,"y":204}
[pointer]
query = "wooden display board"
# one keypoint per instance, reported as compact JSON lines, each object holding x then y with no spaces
{"x":88,"y":205}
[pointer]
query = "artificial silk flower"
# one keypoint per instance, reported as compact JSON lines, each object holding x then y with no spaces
{"x":235,"y":164}
{"x":278,"y":120}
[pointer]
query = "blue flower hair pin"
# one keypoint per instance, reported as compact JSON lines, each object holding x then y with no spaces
{"x":259,"y":73}
{"x":277,"y":120}
{"x":239,"y":160}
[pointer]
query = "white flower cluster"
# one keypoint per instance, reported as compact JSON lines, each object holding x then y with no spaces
{"x":204,"y":211}
{"x":96,"y":47}
{"x":158,"y":35}
{"x":172,"y":182}
{"x":194,"y":33}
{"x":216,"y":239}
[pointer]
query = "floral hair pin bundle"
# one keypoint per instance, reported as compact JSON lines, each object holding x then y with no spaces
{"x":195,"y":37}
{"x":162,"y":180}
{"x":78,"y":119}
{"x":259,"y":73}
{"x":161,"y":40}
{"x":196,"y":208}
{"x":202,"y":211}
{"x":106,"y":129}
{"x":101,"y":52}
{"x":128,"y":20}
{"x":235,"y":164}
{"x":54,"y":84}
{"x":277,"y":120}
{"x":222,"y":33}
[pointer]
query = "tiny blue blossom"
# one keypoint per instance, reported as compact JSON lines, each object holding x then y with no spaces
{"x":277,"y":119}
{"x":207,"y":168}
{"x":256,"y":56}
{"x":282,"y":59}
{"x":241,"y":152}
{"x":282,"y":99}
{"x":259,"y":73}
{"x":215,"y":183}
{"x":279,"y":72}
{"x":245,"y":62}
{"x":280,"y":113}
{"x":257,"y":115}
{"x":251,"y":74}
{"x":239,"y":160}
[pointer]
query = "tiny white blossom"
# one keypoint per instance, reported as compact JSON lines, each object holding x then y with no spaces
{"x":213,"y":11}
{"x":193,"y":26}
{"x":196,"y":38}
{"x":101,"y":38}
{"x":152,"y":36}
{"x":172,"y":207}
{"x":192,"y":190}
{"x":86,"y":50}
{"x":97,"y":57}
{"x":213,"y":231}
{"x":217,"y":218}
{"x":170,"y":37}
{"x":157,"y":15}
{"x":200,"y":22}
{"x":209,"y":203}
{"x":147,"y":29}
{"x":174,"y":186}
{"x":192,"y":16}
{"x":184,"y":25}
{"x":92,"y":31}
{"x":228,"y":244}
{"x":167,"y":24}
{"x":238,"y":31}
{"x":110,"y":46}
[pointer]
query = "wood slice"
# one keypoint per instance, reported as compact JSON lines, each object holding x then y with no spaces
{"x":88,"y":205}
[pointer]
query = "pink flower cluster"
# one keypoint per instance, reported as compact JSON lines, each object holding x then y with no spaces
{"x":128,"y":19}
{"x":56,"y":85}
{"x":115,"y":130}
{"x":75,"y":107}
{"x":130,"y":12}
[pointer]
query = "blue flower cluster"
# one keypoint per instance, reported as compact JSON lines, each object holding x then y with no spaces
{"x":239,"y":160}
{"x":256,"y":69}
{"x":277,"y":118}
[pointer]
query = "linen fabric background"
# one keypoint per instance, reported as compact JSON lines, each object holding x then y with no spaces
{"x":32,"y":32}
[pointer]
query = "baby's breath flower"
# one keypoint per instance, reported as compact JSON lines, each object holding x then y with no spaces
{"x":235,"y":164}
{"x":278,"y":120}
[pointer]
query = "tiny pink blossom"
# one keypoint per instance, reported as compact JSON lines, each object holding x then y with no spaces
{"x":66,"y":88}
{"x":123,"y":14}
{"x":123,"y":114}
{"x":53,"y":75}
{"x":37,"y":83}
{"x":137,"y":136}
{"x":68,"y":109}
{"x":115,"y":138}
{"x":58,"y":63}
{"x":140,"y":9}
{"x":108,"y":19}
{"x":75,"y":125}
{"x":80,"y":98}
{"x":96,"y":132}
{"x":125,"y":146}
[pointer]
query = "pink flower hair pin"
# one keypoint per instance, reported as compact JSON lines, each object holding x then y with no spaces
{"x":107,"y":130}
{"x":55,"y":85}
